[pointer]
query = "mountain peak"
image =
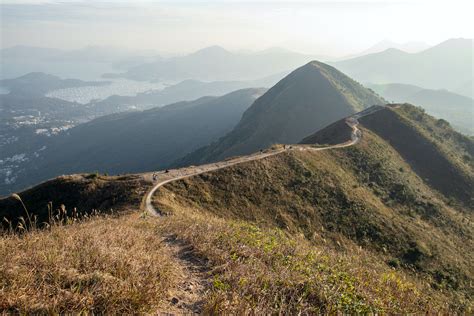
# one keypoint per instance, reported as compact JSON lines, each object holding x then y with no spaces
{"x":37,"y":75}
{"x":212,"y":50}
{"x":306,"y":100}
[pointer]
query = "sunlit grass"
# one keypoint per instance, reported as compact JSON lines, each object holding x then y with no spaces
{"x":101,"y":264}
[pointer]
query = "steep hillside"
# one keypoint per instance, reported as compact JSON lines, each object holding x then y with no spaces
{"x":375,"y":195}
{"x":306,"y":100}
{"x":137,"y":141}
{"x":455,"y":108}
{"x":447,"y":65}
{"x":440,"y":156}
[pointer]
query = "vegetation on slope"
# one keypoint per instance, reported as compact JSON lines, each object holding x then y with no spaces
{"x":364,"y":196}
{"x":260,"y":269}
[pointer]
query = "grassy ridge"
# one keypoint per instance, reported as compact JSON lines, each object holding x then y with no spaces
{"x":366,"y":195}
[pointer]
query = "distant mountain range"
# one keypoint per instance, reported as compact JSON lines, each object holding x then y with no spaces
{"x":408,"y":47}
{"x":386,"y":62}
{"x":217,"y":64}
{"x":455,"y":108}
{"x":209,"y":64}
{"x":184,"y":91}
{"x":88,"y":54}
{"x":87,"y":63}
{"x":305,"y":101}
{"x":444,"y":66}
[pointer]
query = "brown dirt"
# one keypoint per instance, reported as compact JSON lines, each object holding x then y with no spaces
{"x":188,"y":296}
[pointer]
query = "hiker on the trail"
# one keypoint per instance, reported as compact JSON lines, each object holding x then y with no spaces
{"x":154,"y":176}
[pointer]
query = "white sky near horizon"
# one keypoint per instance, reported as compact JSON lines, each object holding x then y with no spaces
{"x":332,"y":28}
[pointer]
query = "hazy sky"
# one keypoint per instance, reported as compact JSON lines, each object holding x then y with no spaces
{"x":319,"y":27}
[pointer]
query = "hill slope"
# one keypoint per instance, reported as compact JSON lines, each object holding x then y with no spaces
{"x":381,"y":195}
{"x":138,"y":141}
{"x":436,"y":153}
{"x":306,"y":100}
{"x":444,"y":66}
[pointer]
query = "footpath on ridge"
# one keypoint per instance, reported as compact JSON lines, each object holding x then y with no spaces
{"x":163,"y":177}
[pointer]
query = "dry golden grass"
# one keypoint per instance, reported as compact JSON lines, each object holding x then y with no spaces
{"x":265,"y":271}
{"x":104,"y":264}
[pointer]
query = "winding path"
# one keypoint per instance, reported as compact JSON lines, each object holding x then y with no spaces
{"x":163,"y":178}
